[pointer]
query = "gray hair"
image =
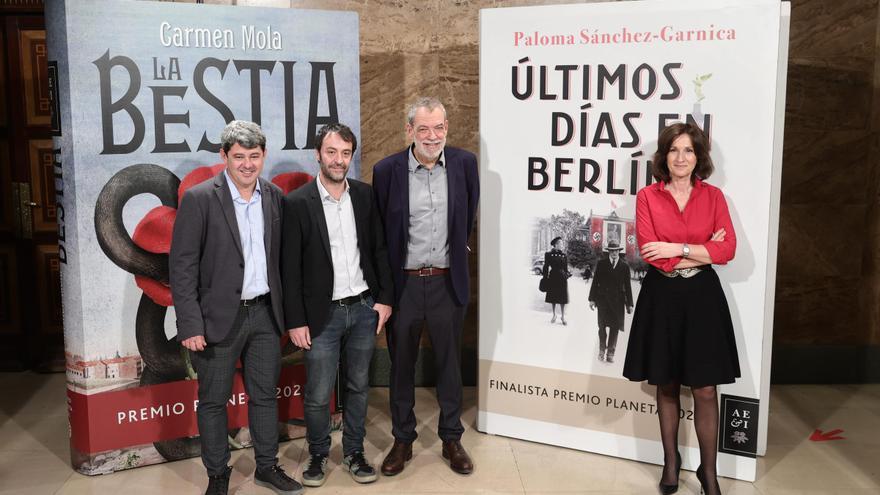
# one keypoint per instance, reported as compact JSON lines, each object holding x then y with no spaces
{"x":247,"y":134}
{"x":428,"y":102}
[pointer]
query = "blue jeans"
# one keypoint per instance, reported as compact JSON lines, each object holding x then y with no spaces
{"x":350,"y":332}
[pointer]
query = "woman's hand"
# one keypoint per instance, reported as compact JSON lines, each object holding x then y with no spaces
{"x":660,"y":250}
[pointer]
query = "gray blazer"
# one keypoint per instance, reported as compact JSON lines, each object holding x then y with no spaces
{"x":206,"y":262}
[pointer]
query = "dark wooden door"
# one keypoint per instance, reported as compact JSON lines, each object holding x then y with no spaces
{"x":30,"y":295}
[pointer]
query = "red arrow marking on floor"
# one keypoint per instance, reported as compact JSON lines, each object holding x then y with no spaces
{"x":818,"y":436}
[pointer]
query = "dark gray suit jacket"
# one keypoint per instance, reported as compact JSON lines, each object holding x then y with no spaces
{"x":307,"y":265}
{"x":207,"y":265}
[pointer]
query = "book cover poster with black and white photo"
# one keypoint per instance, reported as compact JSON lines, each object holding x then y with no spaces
{"x":572,"y":98}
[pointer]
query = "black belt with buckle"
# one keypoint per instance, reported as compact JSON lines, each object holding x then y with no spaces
{"x":262,"y":298}
{"x":347,"y":301}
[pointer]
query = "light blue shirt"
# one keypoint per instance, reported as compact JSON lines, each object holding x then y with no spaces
{"x":249,"y":217}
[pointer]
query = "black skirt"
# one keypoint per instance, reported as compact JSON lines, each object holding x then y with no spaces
{"x":681,"y":332}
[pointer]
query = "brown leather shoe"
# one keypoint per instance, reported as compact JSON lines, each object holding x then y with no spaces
{"x":459,"y":460}
{"x":396,"y":459}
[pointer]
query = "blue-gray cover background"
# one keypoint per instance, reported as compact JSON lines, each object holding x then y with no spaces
{"x":100,"y":299}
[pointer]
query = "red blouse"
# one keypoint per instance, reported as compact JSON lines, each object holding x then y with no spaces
{"x":658,"y":219}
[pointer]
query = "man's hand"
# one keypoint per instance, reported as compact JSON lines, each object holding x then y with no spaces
{"x":629,"y":309}
{"x":301,"y":337}
{"x":592,"y":306}
{"x":384,"y":311}
{"x":195,"y":344}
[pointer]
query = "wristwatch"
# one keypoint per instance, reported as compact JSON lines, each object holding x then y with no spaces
{"x":685,"y":250}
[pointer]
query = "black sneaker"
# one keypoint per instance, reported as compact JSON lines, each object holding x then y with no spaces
{"x":276,"y":479}
{"x":313,"y":474}
{"x":219,"y":484}
{"x":360,"y":469}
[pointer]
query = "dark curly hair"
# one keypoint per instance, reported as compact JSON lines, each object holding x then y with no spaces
{"x":344,"y":132}
{"x":704,"y":167}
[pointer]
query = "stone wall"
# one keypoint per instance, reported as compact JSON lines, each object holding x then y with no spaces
{"x":826,"y":325}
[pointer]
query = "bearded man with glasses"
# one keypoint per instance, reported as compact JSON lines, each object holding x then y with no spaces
{"x":427,"y":196}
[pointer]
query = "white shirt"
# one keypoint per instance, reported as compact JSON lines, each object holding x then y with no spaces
{"x":348,"y":278}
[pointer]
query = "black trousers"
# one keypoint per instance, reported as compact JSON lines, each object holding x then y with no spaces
{"x":611,"y":337}
{"x":255,"y":340}
{"x":426,"y":299}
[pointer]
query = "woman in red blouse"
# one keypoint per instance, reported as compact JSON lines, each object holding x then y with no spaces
{"x":682,"y":333}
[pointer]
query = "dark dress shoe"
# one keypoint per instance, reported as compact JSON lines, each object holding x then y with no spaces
{"x":275,"y":479}
{"x":459,"y":460}
{"x":396,"y":459}
{"x":219,"y":483}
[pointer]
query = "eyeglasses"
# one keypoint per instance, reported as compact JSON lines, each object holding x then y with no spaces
{"x":424,"y":131}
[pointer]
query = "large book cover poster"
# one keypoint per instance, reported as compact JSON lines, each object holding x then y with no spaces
{"x":141,"y":91}
{"x":571,"y":102}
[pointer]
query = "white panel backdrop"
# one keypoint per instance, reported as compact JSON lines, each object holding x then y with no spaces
{"x":623,"y":69}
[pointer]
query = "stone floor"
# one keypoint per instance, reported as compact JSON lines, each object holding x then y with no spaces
{"x":34,"y":457}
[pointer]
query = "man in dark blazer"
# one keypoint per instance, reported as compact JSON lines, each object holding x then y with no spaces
{"x":428,"y":196}
{"x":226,"y":287}
{"x":337,"y":296}
{"x":610,"y":292}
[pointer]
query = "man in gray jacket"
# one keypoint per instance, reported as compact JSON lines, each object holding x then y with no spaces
{"x":226,"y":286}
